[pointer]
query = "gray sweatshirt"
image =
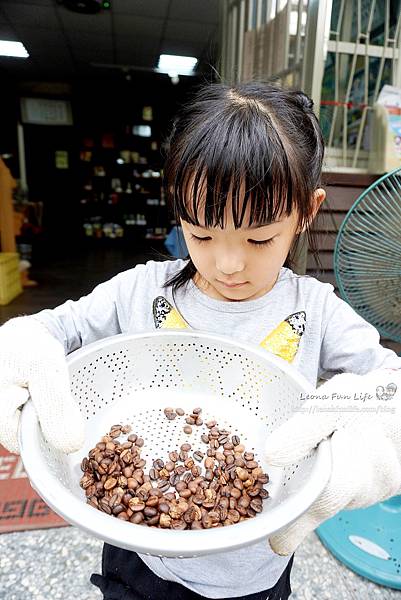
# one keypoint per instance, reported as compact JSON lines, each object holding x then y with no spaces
{"x":321,"y":334}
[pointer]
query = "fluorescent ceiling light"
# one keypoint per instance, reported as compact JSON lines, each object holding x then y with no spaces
{"x":176,"y":65}
{"x":13,"y":49}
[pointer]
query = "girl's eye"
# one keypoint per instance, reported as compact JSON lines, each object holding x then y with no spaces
{"x":199,"y":239}
{"x":261,"y":243}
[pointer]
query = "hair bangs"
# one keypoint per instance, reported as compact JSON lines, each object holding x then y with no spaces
{"x":229,"y":164}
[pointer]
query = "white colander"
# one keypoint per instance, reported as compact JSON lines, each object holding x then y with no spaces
{"x":130,"y":379}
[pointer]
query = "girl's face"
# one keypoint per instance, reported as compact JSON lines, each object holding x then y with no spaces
{"x":239,"y":264}
{"x":242,"y":264}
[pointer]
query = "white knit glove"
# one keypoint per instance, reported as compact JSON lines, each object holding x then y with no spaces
{"x":361,"y":415}
{"x":32,"y":363}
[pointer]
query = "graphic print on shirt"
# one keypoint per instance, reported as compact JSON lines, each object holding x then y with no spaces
{"x":283,"y":341}
{"x":166,"y":316}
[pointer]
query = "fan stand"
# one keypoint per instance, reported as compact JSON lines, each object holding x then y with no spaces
{"x":367,"y":540}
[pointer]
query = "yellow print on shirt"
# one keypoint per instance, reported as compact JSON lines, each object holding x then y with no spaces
{"x":283,"y":341}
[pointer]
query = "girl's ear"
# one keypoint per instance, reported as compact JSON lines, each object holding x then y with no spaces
{"x":318,"y":197}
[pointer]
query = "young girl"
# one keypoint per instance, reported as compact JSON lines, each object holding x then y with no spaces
{"x":243,"y":178}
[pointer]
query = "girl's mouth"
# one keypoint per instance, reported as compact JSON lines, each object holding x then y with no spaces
{"x":232,"y":285}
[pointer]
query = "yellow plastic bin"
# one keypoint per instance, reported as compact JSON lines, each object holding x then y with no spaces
{"x":10,"y":279}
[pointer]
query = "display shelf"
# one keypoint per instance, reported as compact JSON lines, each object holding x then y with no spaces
{"x":121,"y":186}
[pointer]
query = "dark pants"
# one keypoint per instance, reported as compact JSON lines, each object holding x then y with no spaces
{"x":126,"y":577}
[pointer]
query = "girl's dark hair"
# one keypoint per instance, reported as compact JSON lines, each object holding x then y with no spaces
{"x":254,"y":143}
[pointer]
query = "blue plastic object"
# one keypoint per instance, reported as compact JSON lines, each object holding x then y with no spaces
{"x":367,"y":264}
{"x":367,"y":540}
{"x":175,"y":243}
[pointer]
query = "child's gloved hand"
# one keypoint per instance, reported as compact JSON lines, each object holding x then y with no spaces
{"x":32,"y":363}
{"x":361,"y":415}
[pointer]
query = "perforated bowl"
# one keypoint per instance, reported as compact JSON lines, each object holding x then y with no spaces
{"x":130,"y":379}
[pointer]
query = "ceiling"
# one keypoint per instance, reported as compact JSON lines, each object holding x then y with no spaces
{"x":64,"y":45}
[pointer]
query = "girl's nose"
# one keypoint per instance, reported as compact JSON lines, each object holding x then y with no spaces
{"x":229,"y":263}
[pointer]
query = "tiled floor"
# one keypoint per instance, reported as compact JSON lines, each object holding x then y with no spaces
{"x":57,"y":563}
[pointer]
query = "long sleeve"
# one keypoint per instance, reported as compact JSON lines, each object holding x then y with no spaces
{"x":350,"y":344}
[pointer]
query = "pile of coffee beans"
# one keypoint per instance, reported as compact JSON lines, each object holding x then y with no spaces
{"x":176,"y":493}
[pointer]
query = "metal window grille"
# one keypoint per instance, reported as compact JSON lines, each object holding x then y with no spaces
{"x":340,"y":52}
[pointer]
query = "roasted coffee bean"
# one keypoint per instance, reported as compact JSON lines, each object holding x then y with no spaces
{"x":169,"y":466}
{"x":190,"y":420}
{"x":117,"y":509}
{"x":137,"y":518}
{"x":235,"y":493}
{"x":164,"y":507}
{"x":183,"y":455}
{"x":209,"y":474}
{"x":173,"y":456}
{"x":187,"y":429}
{"x":132,"y":438}
{"x":153,"y":474}
{"x":163,"y":486}
{"x":196,"y":471}
{"x":171,"y":416}
{"x":180,"y":485}
{"x":251,"y":464}
{"x":178,"y":524}
{"x":197,"y":411}
{"x":110,"y":483}
{"x":169,"y":409}
{"x":211,"y":424}
{"x":152,"y":501}
{"x":180,"y":469}
{"x":165,"y":521}
{"x":192,"y":486}
{"x":198,"y":456}
{"x":86,"y":481}
{"x":174,"y":479}
{"x":150,"y":511}
{"x":238,"y":484}
{"x":233,"y":515}
{"x":199,"y":421}
{"x":197,"y":499}
{"x":139,"y":442}
{"x":127,"y":472}
{"x":136,"y":504}
{"x":180,"y":412}
{"x":205,"y":438}
{"x":235,"y":440}
{"x":153,"y":520}
{"x":256,"y":505}
{"x":104,"y":507}
{"x":263,"y":478}
{"x":185,"y":447}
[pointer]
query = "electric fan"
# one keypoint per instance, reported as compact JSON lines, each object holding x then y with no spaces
{"x":367,"y":264}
